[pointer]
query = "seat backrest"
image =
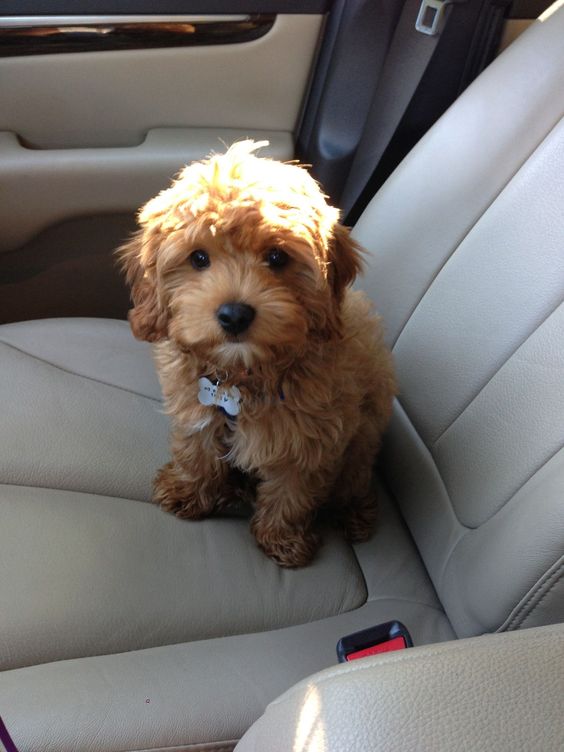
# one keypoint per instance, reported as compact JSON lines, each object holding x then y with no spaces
{"x":467,"y":269}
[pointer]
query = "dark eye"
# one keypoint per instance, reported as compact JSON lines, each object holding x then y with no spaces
{"x":199,"y":259}
{"x":276,"y":258}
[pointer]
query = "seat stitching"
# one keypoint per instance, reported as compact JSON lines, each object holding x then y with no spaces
{"x":470,"y":530}
{"x":406,"y":600}
{"x":541,"y":590}
{"x":544,"y":596}
{"x":434,"y":464}
{"x":79,"y":375}
{"x":472,"y":226}
{"x":362,"y":576}
{"x":512,"y":495}
{"x":466,"y":529}
{"x":73,"y":491}
{"x":531,"y":475}
{"x":508,"y":624}
{"x":495,"y":373}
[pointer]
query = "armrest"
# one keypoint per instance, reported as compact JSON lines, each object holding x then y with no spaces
{"x":496,"y":692}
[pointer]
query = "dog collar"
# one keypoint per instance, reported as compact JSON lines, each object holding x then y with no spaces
{"x":226,"y":399}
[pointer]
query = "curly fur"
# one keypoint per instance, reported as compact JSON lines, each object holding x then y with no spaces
{"x":313,"y":340}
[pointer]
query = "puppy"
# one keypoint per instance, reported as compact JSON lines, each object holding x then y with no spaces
{"x":270,"y":365}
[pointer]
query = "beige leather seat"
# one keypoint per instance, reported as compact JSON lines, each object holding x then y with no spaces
{"x":123,"y":628}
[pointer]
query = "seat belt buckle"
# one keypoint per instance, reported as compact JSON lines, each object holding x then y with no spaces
{"x":431,"y":17}
{"x":383,"y":638}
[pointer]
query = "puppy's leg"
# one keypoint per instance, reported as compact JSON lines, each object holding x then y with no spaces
{"x":282,"y":523}
{"x":195,"y":483}
{"x":355,"y":491}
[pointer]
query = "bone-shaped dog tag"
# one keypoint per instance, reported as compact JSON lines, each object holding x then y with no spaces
{"x":208,"y":392}
{"x":228,"y":399}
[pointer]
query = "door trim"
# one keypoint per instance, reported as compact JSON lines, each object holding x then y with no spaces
{"x":23,"y":36}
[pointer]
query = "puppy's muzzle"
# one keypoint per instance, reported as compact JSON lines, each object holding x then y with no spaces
{"x":235,"y":318}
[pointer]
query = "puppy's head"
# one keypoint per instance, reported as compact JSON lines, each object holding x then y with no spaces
{"x":240,"y":260}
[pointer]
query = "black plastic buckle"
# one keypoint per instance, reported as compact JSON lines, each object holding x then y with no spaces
{"x":384,"y":638}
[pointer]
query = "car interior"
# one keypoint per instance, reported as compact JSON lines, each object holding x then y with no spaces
{"x":436,"y":128}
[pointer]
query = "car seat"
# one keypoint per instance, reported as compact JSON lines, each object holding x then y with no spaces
{"x":124,"y":628}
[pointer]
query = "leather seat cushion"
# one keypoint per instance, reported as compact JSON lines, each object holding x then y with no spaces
{"x":88,"y":575}
{"x":122,"y":602}
{"x":86,"y":572}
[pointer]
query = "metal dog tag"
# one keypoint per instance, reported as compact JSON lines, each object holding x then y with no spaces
{"x":228,"y":399}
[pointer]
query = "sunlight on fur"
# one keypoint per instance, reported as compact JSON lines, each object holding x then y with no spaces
{"x":240,"y":275}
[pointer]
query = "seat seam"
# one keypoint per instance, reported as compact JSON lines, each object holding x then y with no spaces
{"x":80,"y":375}
{"x":364,"y":580}
{"x":543,"y":597}
{"x":530,"y":476}
{"x":342,"y":610}
{"x":406,"y":600}
{"x":496,"y":372}
{"x":513,"y":494}
{"x":473,"y":225}
{"x":541,"y":589}
{"x":522,"y":486}
{"x":73,"y":491}
{"x":435,"y":465}
{"x":469,"y":531}
{"x":465,"y":529}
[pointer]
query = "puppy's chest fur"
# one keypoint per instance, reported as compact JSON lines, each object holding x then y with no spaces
{"x":274,"y":425}
{"x":247,"y":440}
{"x":294,"y":421}
{"x":304,"y":417}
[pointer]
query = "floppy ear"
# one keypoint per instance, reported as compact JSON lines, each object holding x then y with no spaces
{"x":345,"y":261}
{"x":147,"y":318}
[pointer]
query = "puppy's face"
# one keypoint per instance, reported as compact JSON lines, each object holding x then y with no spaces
{"x":241,"y":261}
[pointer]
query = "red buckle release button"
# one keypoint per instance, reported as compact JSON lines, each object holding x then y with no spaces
{"x":398,"y":643}
{"x":383,"y":638}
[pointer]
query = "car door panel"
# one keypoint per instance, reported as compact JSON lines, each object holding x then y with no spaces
{"x":114,"y":98}
{"x":87,"y":137}
{"x":47,"y":186}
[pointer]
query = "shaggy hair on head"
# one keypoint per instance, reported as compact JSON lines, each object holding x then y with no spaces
{"x":272,"y":369}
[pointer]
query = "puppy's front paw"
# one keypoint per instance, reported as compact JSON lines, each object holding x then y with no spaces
{"x":288,"y":548}
{"x":179,"y":495}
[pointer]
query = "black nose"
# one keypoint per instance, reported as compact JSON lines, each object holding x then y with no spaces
{"x":235,"y":317}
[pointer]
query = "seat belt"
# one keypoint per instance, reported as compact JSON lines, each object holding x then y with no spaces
{"x":411,"y":49}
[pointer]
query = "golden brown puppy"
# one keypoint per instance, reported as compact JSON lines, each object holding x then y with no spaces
{"x":269,"y":364}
